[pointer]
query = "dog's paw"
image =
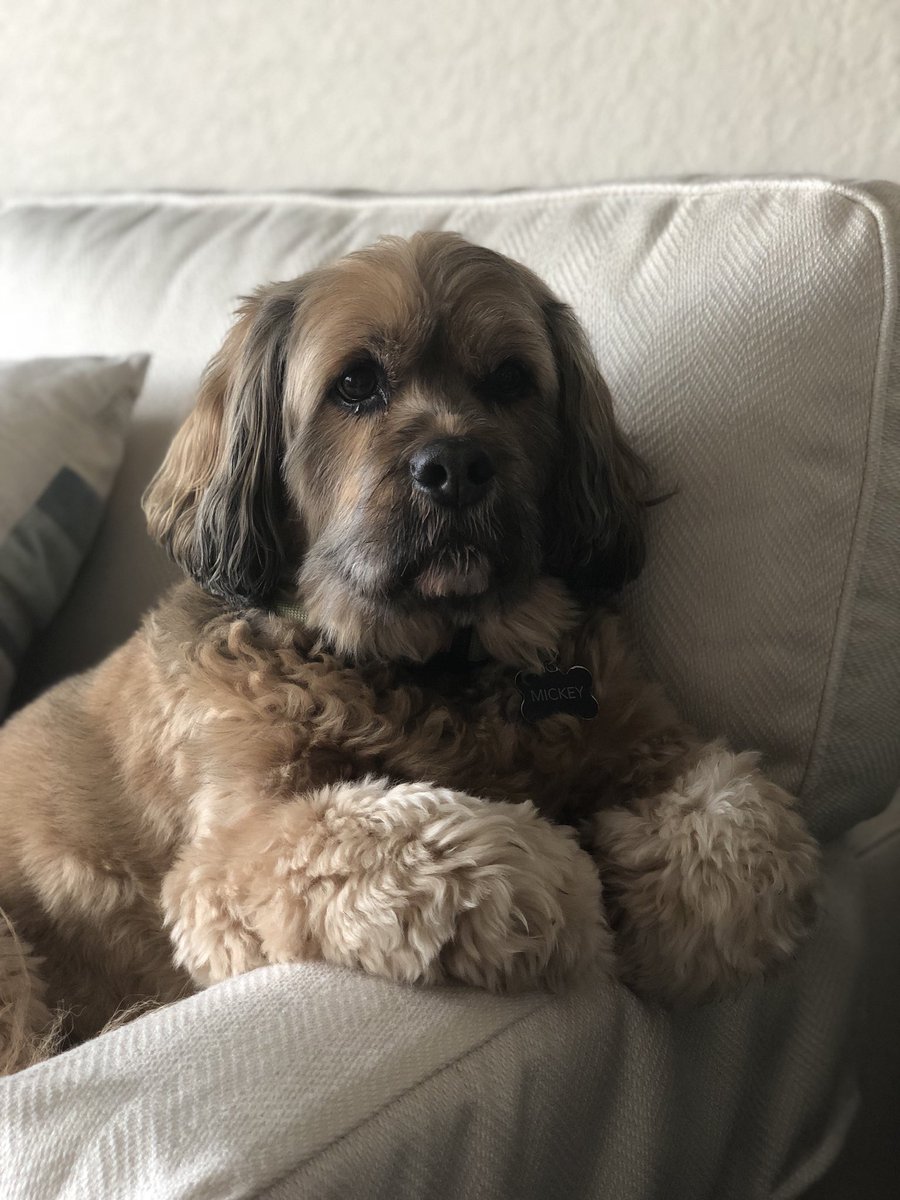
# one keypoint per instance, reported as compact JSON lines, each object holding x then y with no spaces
{"x":410,"y":882}
{"x":420,"y":883}
{"x":712,"y":882}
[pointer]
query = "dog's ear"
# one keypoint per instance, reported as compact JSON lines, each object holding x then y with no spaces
{"x":596,"y":540}
{"x":217,"y":501}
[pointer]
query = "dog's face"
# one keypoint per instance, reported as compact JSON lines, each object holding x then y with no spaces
{"x":419,"y":427}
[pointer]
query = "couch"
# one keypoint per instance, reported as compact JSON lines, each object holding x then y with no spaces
{"x":749,"y":331}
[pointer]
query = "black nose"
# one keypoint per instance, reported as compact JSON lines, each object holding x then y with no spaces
{"x":454,"y":471}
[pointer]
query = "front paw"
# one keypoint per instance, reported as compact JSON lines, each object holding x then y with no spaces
{"x":420,"y":883}
{"x":712,"y":882}
{"x":410,"y":882}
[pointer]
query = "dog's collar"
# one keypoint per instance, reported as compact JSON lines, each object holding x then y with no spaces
{"x":291,"y":612}
{"x":464,"y":651}
{"x":544,"y":693}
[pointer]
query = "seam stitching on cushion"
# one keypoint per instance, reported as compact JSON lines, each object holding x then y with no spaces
{"x":867,"y":493}
{"x":827,"y":1148}
{"x":883,"y":839}
{"x":176,"y":199}
{"x":408,"y":1091}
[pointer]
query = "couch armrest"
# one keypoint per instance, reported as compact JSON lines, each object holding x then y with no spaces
{"x":309,"y":1080}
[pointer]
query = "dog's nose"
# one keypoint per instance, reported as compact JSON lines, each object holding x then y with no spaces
{"x":454,"y":471}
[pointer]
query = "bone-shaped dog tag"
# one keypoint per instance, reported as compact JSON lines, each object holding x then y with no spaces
{"x":545,"y":693}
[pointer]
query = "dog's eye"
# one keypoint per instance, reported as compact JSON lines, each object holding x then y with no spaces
{"x":361,"y":386}
{"x":509,"y":381}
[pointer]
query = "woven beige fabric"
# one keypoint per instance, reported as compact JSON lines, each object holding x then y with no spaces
{"x":309,"y":1081}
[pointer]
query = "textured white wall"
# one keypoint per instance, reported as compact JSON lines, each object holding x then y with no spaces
{"x":429,"y":94}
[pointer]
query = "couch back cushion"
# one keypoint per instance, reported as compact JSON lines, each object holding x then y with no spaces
{"x":748,"y":331}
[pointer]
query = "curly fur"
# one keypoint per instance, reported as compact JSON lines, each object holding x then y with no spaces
{"x":234,"y":787}
{"x":407,"y":881}
{"x":28,"y":1032}
{"x":712,"y":879}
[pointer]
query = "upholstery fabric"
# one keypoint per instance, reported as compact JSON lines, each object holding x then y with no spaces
{"x":62,"y":434}
{"x":308,"y":1081}
{"x":748,"y":331}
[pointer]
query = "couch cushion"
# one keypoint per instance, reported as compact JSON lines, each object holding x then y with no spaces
{"x":301,"y":1081}
{"x":746,"y":330}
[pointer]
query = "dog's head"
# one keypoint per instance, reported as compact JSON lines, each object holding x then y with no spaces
{"x":420,"y":428}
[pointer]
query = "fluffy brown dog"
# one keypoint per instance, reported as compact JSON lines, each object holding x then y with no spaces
{"x":286,"y":762}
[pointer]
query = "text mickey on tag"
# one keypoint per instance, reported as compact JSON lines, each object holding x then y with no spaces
{"x":546,"y":693}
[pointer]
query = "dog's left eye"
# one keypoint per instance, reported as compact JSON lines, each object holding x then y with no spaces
{"x":509,"y":381}
{"x":361,"y":386}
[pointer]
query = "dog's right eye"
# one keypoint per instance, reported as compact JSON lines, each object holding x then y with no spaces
{"x":361,"y":386}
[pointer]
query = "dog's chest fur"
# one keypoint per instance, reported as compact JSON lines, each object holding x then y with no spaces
{"x":461,"y":729}
{"x":275,"y":706}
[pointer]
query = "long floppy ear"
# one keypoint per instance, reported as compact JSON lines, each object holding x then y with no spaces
{"x":597,"y":538}
{"x":217,"y":501}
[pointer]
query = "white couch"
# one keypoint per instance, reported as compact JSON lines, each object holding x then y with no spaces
{"x":749,"y":331}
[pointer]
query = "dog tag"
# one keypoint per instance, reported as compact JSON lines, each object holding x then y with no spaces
{"x":546,"y":693}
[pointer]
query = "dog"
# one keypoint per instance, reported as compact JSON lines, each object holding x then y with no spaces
{"x":389,"y":720}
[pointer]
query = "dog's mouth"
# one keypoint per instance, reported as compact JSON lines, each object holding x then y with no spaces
{"x":461,"y":573}
{"x":450,"y":561}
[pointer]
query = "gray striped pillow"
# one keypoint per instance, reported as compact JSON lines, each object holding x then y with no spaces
{"x":62,"y":433}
